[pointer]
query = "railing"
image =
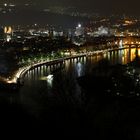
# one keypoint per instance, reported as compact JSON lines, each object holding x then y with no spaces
{"x":22,"y":71}
{"x":55,"y":61}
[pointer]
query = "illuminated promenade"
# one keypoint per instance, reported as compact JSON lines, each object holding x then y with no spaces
{"x":20,"y":73}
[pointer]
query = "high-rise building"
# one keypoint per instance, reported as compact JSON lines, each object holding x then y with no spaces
{"x":79,"y":30}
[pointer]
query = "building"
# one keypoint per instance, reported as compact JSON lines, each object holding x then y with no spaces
{"x":79,"y":30}
{"x":8,"y":33}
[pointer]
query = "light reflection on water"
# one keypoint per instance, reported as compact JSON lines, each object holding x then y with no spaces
{"x":37,"y":94}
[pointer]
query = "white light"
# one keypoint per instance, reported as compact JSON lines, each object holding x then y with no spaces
{"x":49,"y":77}
{"x":50,"y":80}
{"x":121,"y":44}
{"x":79,"y":25}
{"x":79,"y":69}
{"x":5,"y":4}
{"x":118,"y":93}
{"x":8,"y":38}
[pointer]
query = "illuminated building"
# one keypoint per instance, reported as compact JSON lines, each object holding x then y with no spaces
{"x":8,"y":33}
{"x":79,"y":38}
{"x":79,"y":30}
{"x":102,"y":31}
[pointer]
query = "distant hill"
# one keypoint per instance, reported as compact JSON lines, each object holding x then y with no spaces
{"x":24,"y":16}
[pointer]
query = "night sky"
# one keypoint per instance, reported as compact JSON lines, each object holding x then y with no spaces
{"x":116,"y":6}
{"x":33,"y":14}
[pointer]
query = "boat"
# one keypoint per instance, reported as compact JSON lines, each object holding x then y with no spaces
{"x":47,"y":77}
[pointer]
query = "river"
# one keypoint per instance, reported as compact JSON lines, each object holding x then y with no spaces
{"x":59,"y":104}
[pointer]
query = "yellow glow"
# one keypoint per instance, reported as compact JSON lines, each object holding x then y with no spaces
{"x":5,"y":29}
{"x":138,"y":52}
{"x":8,"y":30}
{"x":133,"y":54}
{"x":128,"y":22}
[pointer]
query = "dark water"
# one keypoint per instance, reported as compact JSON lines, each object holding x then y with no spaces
{"x":59,"y":105}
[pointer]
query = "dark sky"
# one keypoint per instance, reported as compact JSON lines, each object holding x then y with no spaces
{"x":116,"y":6}
{"x":127,"y":6}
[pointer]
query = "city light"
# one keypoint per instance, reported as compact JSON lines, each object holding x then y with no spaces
{"x":5,"y":4}
{"x":50,"y":77}
{"x":71,"y":65}
{"x":79,"y":25}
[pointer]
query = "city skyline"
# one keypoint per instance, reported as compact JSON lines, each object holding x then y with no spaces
{"x":70,"y":68}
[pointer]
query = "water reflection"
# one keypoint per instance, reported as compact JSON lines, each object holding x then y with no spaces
{"x":122,"y":56}
{"x":64,"y":87}
{"x":79,"y":69}
{"x":84,"y":64}
{"x":121,"y":44}
{"x":50,"y":80}
{"x":57,"y":99}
